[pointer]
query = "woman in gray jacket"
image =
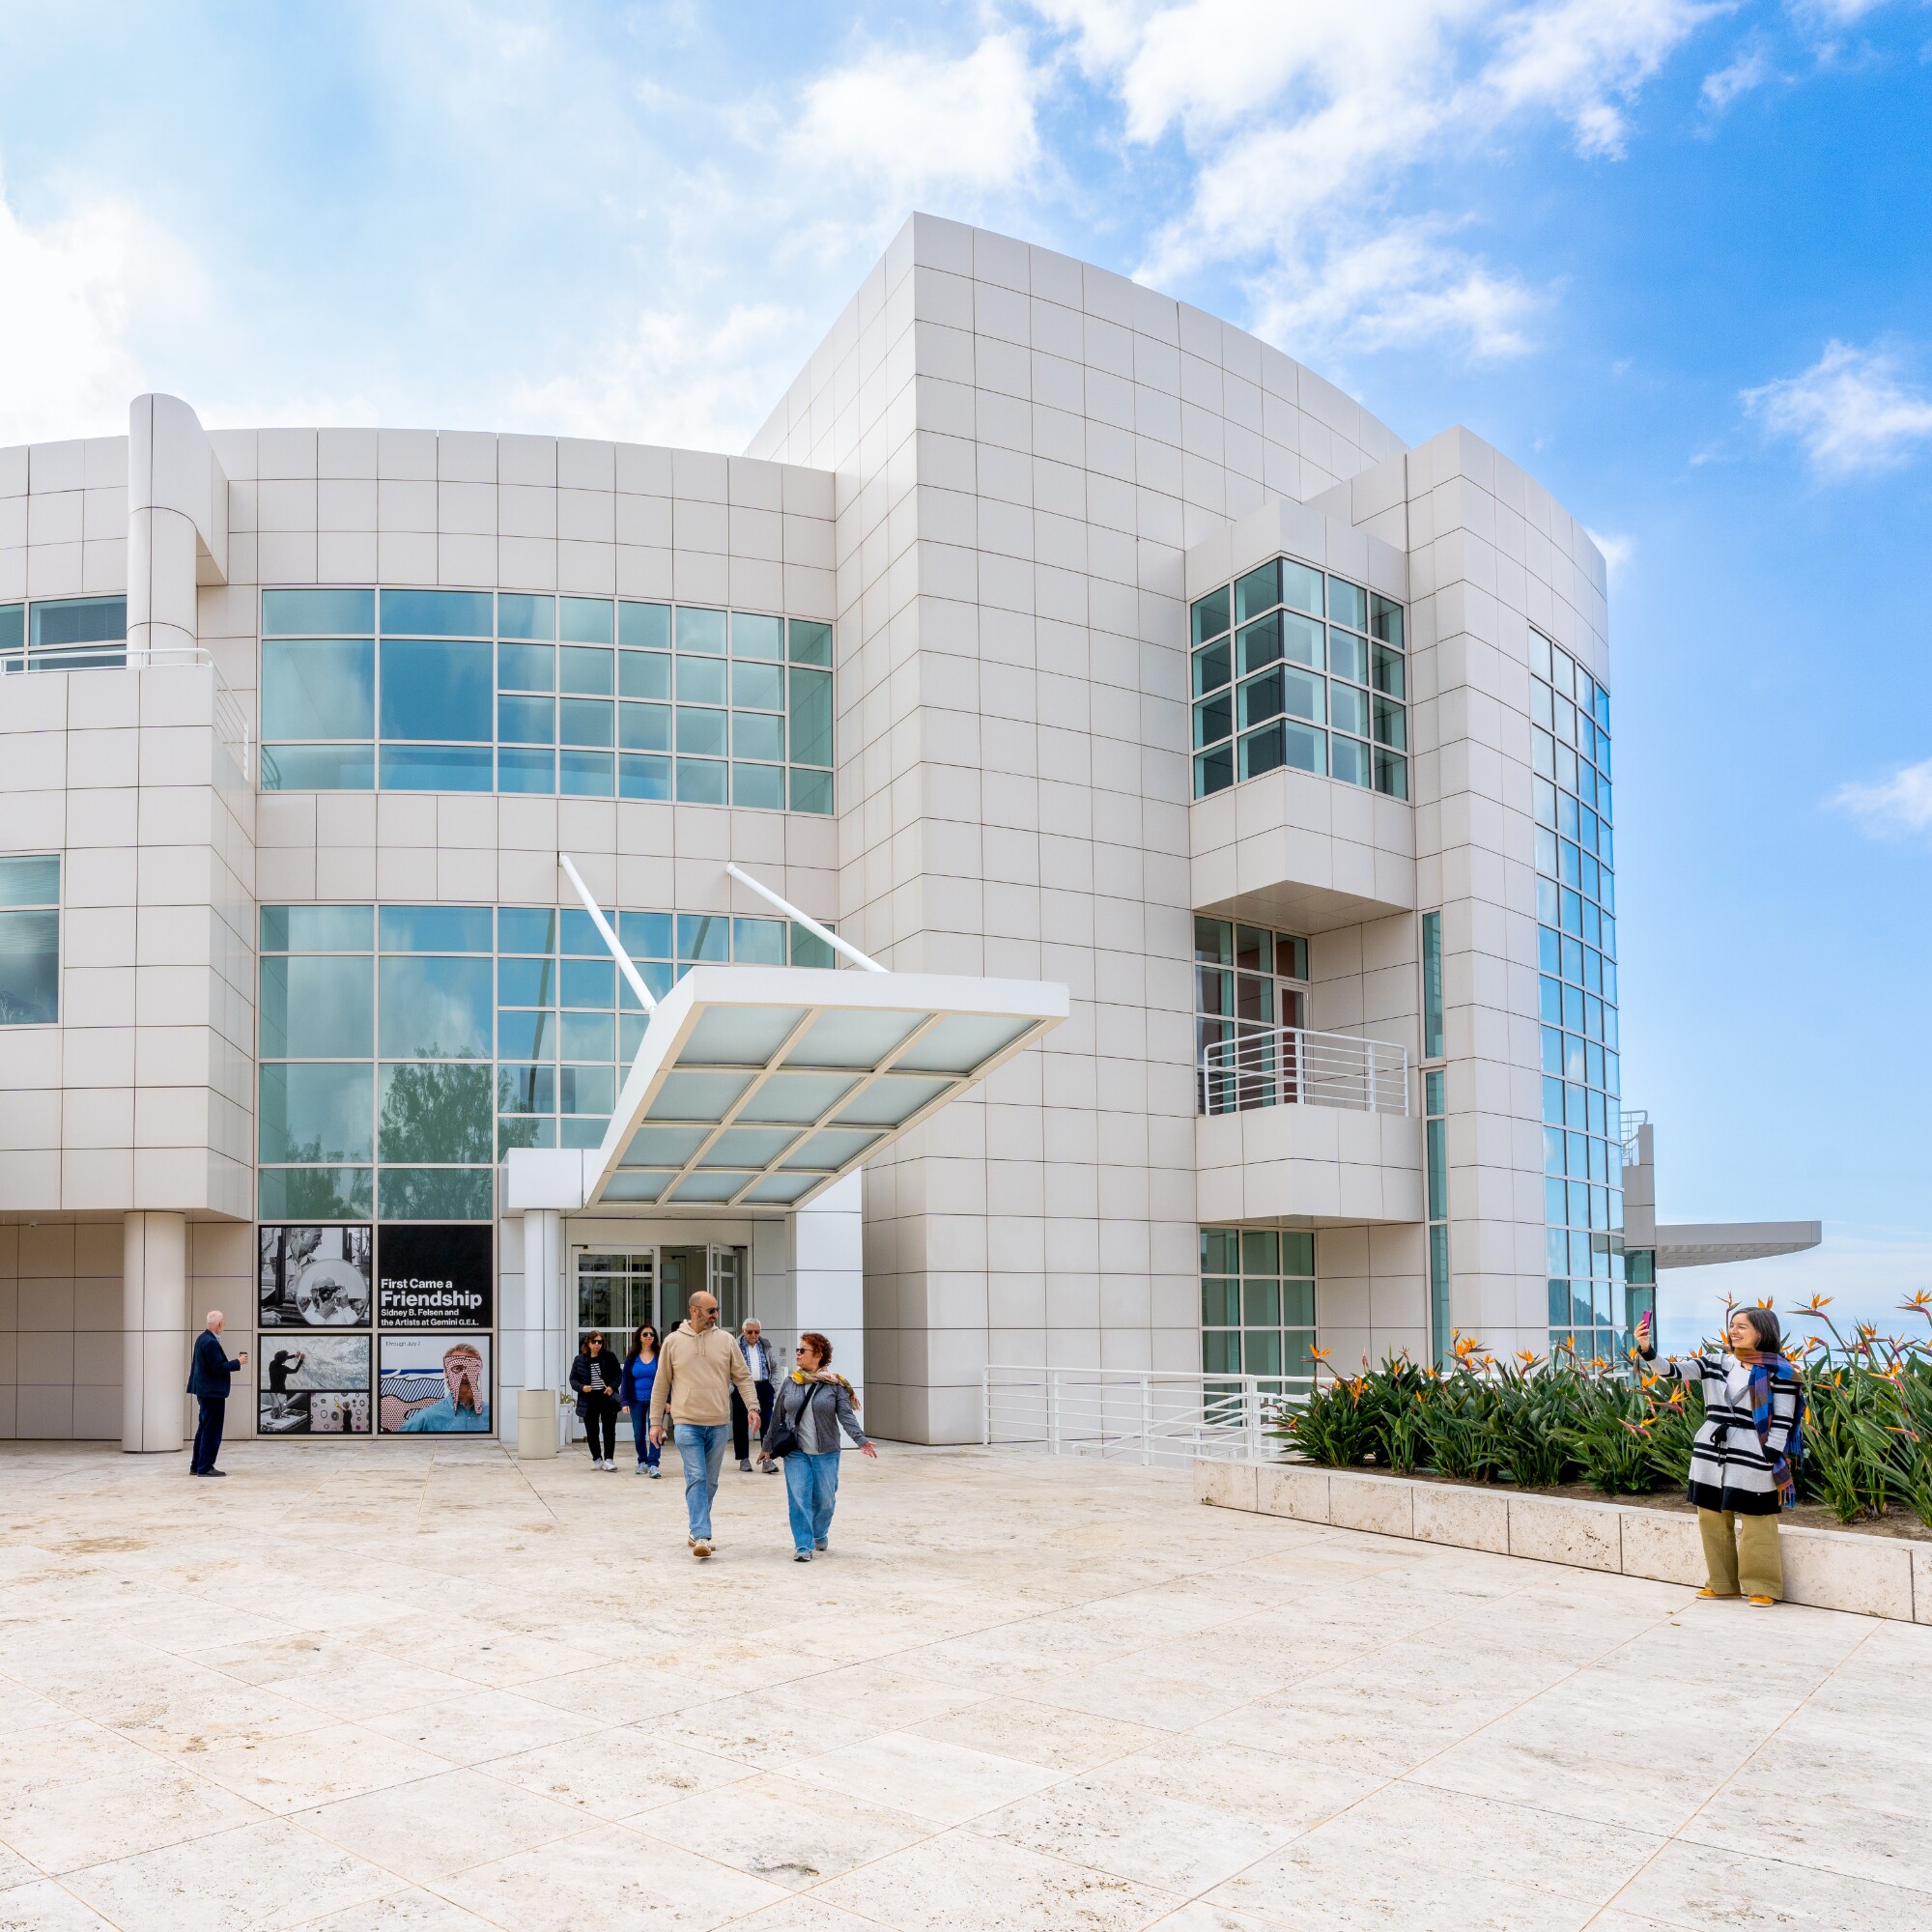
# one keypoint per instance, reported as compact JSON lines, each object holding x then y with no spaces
{"x":813,"y":1406}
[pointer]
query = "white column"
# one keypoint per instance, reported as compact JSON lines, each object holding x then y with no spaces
{"x":540,"y":1320}
{"x":153,"y":1332}
{"x":829,"y":1266}
{"x":177,"y":521}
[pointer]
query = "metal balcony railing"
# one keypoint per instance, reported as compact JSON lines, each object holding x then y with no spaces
{"x":1634,"y":1121}
{"x":1281,"y":1067}
{"x":1159,"y":1418}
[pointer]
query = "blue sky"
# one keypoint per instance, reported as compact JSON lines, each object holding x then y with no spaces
{"x":1673,"y":256}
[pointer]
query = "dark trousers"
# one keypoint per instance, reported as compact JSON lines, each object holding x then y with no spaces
{"x":599,"y":1427}
{"x":208,"y":1434}
{"x":741,"y":1421}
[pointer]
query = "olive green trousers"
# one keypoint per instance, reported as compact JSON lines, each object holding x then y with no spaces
{"x":1741,"y":1553}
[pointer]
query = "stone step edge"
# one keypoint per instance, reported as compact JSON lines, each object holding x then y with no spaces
{"x":1831,"y":1570}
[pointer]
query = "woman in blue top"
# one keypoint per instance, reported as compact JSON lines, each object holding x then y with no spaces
{"x":640,"y":1371}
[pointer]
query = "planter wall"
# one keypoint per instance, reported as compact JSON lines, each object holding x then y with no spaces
{"x":1831,"y":1569}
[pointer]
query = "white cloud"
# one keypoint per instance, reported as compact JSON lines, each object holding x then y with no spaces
{"x":76,"y":287}
{"x":1617,"y":549}
{"x":1304,"y":122}
{"x":914,"y":121}
{"x":1850,"y":411}
{"x":1750,"y":70}
{"x":1899,"y":804}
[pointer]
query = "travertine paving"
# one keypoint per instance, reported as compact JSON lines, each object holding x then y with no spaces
{"x":410,"y":1688}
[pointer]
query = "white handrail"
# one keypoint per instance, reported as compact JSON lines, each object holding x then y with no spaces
{"x":1272,"y":1066}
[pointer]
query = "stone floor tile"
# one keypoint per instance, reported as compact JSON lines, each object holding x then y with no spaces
{"x":63,"y":1826}
{"x":410,"y":1911}
{"x":784,"y":1832}
{"x":1037,"y":1734}
{"x":294,"y":1773}
{"x":481,"y":1724}
{"x":962,"y":1881}
{"x":435,"y":1827}
{"x":1688,"y":1885}
{"x":615,"y":1775}
{"x":45,"y":1906}
{"x":1821,"y":1828}
{"x":945,"y":1784}
{"x":263,"y":1878}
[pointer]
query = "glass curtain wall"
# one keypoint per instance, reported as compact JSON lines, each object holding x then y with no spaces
{"x":404,"y":1049}
{"x":1294,"y":667}
{"x":1577,"y":954}
{"x":1257,"y":1306}
{"x":514,"y":691}
{"x":58,"y":626}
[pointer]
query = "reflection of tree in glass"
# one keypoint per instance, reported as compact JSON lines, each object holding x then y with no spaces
{"x":434,"y":1111}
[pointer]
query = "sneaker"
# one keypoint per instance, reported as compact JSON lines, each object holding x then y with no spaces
{"x":818,"y":1545}
{"x":1762,"y":1603}
{"x":745,"y":1467}
{"x":768,"y":1468}
{"x":641,"y":1469}
{"x":654,"y":1473}
{"x":1707,"y":1591}
{"x":701,"y":1547}
{"x":801,"y":1556}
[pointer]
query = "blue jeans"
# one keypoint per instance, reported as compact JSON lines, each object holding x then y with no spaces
{"x":812,"y":1487}
{"x":702,"y":1445}
{"x":648,"y":1451}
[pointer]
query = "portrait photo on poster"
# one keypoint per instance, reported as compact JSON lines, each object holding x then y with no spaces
{"x":315,"y":1384}
{"x":314,"y":1277}
{"x":431,"y":1276}
{"x":434,"y":1384}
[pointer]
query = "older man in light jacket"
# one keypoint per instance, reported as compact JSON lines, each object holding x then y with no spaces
{"x":699,"y":1369}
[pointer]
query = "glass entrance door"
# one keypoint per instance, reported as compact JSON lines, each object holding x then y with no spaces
{"x":614,"y":1293}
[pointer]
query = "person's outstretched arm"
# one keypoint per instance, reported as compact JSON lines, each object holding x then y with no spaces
{"x":848,"y":1419}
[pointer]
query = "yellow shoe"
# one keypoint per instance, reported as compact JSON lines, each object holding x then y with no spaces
{"x":1707,"y":1591}
{"x":1762,"y":1603}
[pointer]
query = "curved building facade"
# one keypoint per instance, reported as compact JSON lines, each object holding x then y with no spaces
{"x":1051,"y":632}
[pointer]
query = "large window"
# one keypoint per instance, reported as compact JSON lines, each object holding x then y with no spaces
{"x":1577,"y":954}
{"x":1258,"y":1305}
{"x":587,"y":697}
{"x":404,"y":1049}
{"x":54,"y":634}
{"x":1248,"y":984}
{"x":1294,"y":667}
{"x":29,"y":940}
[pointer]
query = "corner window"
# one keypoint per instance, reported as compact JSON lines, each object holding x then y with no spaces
{"x":29,"y":940}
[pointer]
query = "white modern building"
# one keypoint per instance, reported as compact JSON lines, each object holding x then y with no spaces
{"x":1224,"y":786}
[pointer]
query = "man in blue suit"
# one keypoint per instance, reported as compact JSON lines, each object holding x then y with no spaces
{"x":208,"y":1382}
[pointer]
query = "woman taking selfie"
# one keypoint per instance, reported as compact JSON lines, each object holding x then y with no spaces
{"x":813,"y":1404}
{"x":640,"y":1371}
{"x":1744,"y":1462}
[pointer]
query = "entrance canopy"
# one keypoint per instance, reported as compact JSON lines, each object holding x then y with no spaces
{"x":755,"y":1087}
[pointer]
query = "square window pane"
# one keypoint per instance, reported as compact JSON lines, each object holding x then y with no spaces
{"x":29,"y":882}
{"x":757,"y":687}
{"x":525,"y":667}
{"x":526,"y":929}
{"x":758,"y":735}
{"x":759,"y":787}
{"x":757,"y":636}
{"x":1348,"y":656}
{"x":523,"y":1134}
{"x":320,"y":688}
{"x":700,"y":681}
{"x":1305,"y":749}
{"x":810,"y":643}
{"x":522,"y":616}
{"x":810,"y":719}
{"x":526,"y":721}
{"x":1258,"y":591}
{"x":585,"y":774}
{"x":1213,"y":668}
{"x":643,"y":778}
{"x":759,"y":942}
{"x":1262,"y":1353}
{"x":585,"y":671}
{"x":1349,"y":761}
{"x":585,"y":721}
{"x":589,"y":983}
{"x":312,"y":928}
{"x":700,"y":630}
{"x":1214,"y":771}
{"x":587,"y":1036}
{"x":438,"y":613}
{"x":1349,"y":709}
{"x":1300,"y":586}
{"x":1260,"y":699}
{"x":1213,"y":719}
{"x":316,"y":1193}
{"x":587,"y":1090}
{"x":432,"y":928}
{"x":644,"y":627}
{"x":643,"y":727}
{"x":1347,"y":604}
{"x":1210,"y":615}
{"x":318,"y":767}
{"x":526,"y":1090}
{"x":526,"y":983}
{"x":704,"y":938}
{"x":1261,"y":1251}
{"x":316,"y":1111}
{"x":317,"y":1007}
{"x":1221,"y":1353}
{"x":1391,"y":774}
{"x":583,"y":621}
{"x":435,"y":1007}
{"x":1303,"y":640}
{"x":436,"y":1111}
{"x":639,"y":675}
{"x":812,"y":791}
{"x":645,"y":935}
{"x":525,"y":770}
{"x":1220,"y":1303}
{"x":1261,"y":750}
{"x":1386,"y":621}
{"x":437,"y":690}
{"x":1261,"y":1303}
{"x":701,"y":732}
{"x":318,"y":614}
{"x":523,"y":1035}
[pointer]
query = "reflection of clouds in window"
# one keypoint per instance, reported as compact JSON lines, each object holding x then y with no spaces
{"x":433,"y":1009}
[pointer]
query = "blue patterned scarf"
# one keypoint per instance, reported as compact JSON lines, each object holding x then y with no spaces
{"x":1767,"y":1369}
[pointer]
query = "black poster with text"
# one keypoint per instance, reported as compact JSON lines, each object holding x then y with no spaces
{"x":434,"y":1277}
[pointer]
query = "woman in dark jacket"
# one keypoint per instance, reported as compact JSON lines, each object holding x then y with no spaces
{"x":640,"y":1372}
{"x":813,"y":1404}
{"x":596,"y":1377}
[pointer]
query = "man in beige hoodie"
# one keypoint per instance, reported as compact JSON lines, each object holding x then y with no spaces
{"x":697,"y":1367}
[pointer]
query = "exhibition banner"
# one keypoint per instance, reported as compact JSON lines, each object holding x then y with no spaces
{"x":434,"y":1384}
{"x":434,"y":1276}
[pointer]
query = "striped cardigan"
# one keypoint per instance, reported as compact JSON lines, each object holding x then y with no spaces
{"x":1730,"y":1468}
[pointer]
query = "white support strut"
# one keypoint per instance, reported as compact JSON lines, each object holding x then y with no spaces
{"x":624,"y":962}
{"x":811,"y":924}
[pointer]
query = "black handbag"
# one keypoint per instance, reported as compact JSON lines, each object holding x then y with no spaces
{"x":781,"y":1439}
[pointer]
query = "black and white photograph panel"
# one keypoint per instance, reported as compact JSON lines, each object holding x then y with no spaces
{"x":315,"y":1277}
{"x":296,"y":1364}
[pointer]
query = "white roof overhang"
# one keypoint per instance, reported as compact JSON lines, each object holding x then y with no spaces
{"x":757,"y":1087}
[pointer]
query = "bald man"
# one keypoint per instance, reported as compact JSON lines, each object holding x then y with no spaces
{"x":208,"y":1382}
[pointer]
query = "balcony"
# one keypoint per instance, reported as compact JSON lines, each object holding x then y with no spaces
{"x":1287,"y":1066}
